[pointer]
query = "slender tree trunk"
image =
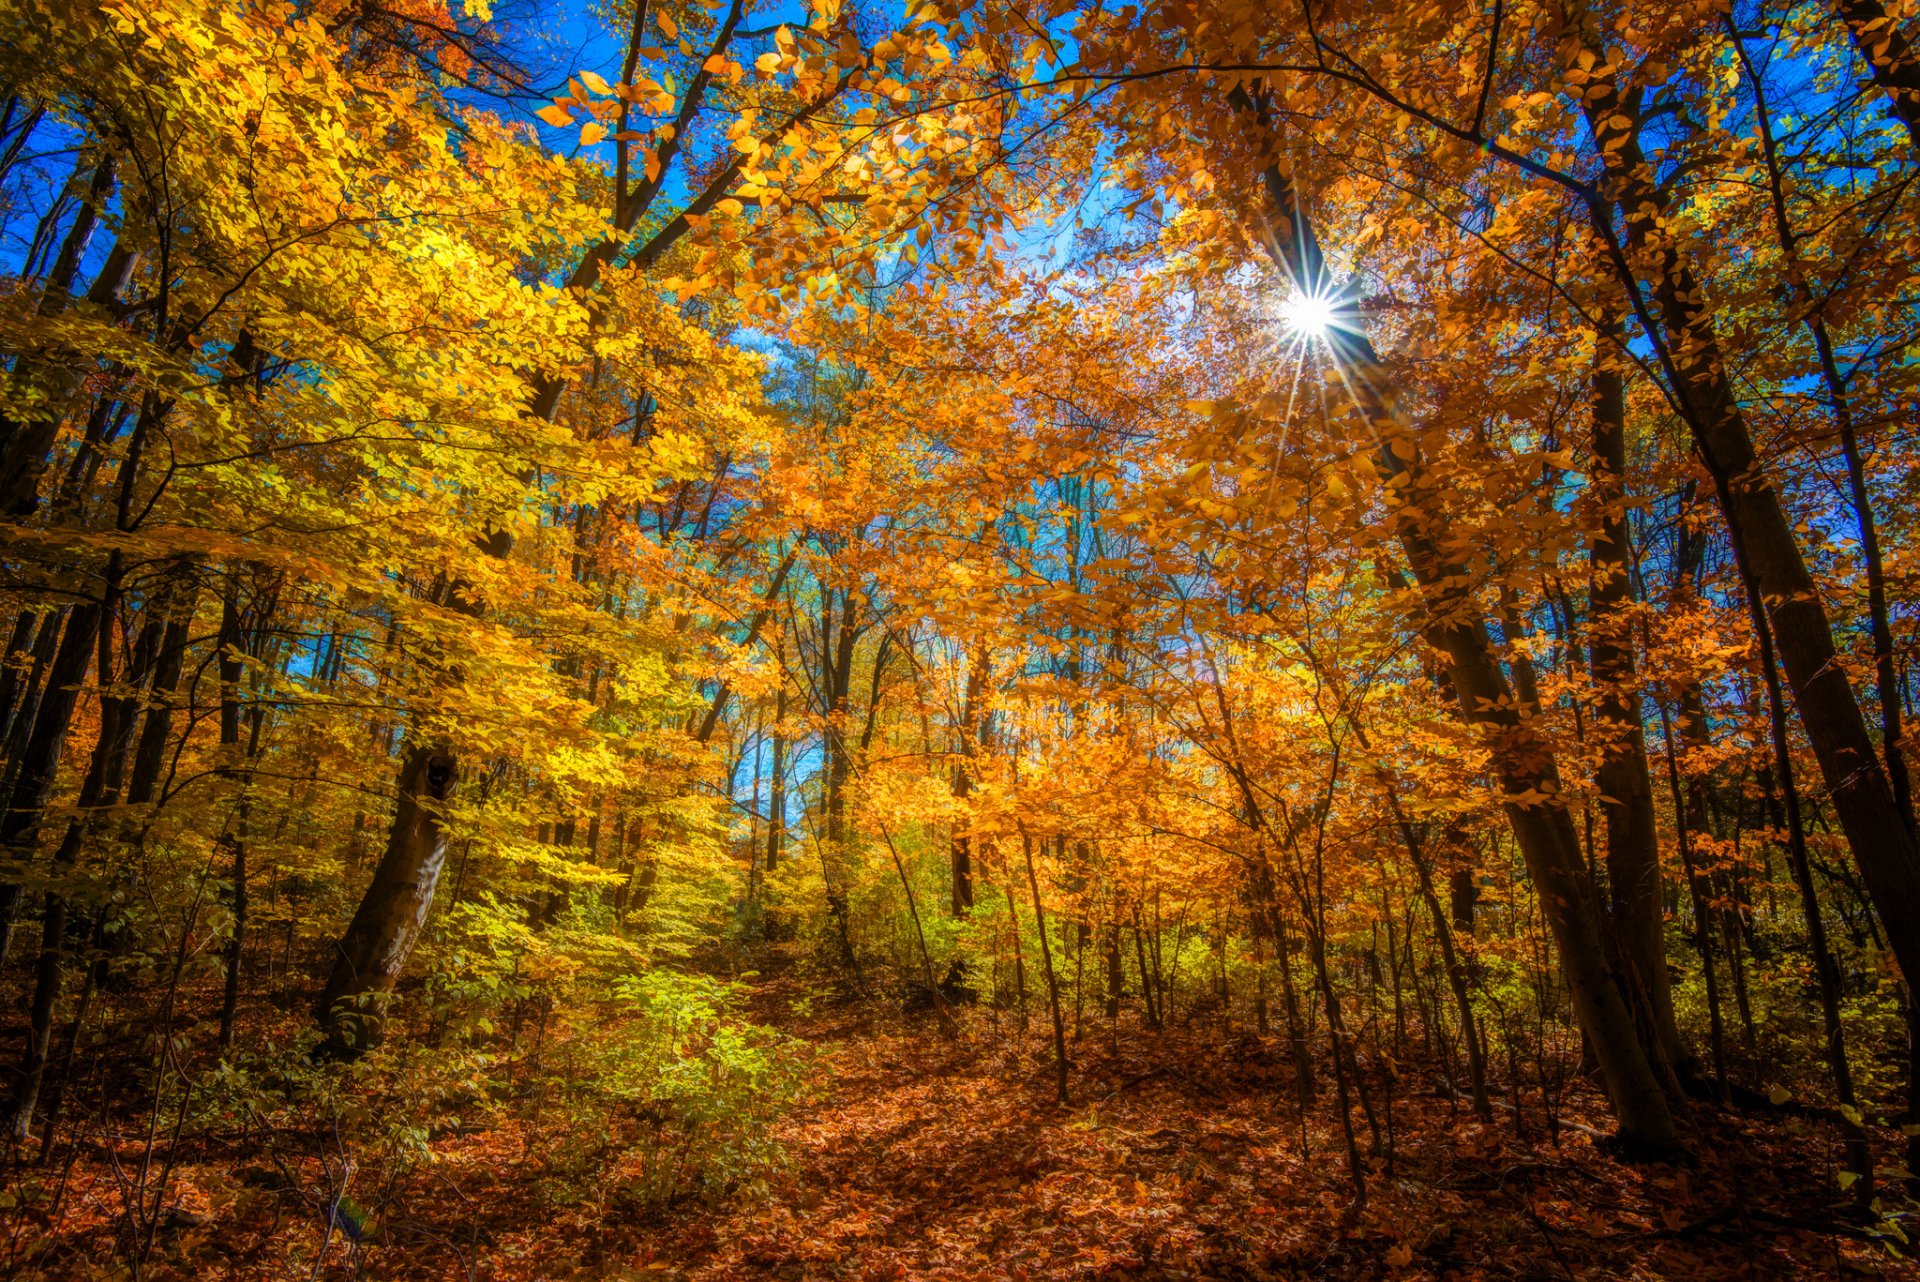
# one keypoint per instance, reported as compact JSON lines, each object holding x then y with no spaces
{"x":837,"y":664}
{"x":1336,"y":1037}
{"x":45,"y":382}
{"x":1257,"y":928}
{"x":32,"y":688}
{"x":13,"y":672}
{"x":1897,"y":59}
{"x":40,"y":754}
{"x":1702,"y":918}
{"x":1450,"y":960}
{"x":1298,"y":1044}
{"x":777,"y":787}
{"x":149,"y":758}
{"x":1053,"y":986}
{"x":972,"y":736}
{"x":236,"y":837}
{"x":1826,"y":971}
{"x":1623,"y":780}
{"x":934,"y":993}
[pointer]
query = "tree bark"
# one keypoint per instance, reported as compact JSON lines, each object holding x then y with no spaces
{"x":32,"y":686}
{"x":12,"y":672}
{"x":381,"y":936}
{"x":1053,"y":986}
{"x":837,"y":643}
{"x":1624,"y":780}
{"x":40,"y":756}
{"x":149,"y":757}
{"x":961,"y":844}
{"x":777,"y":788}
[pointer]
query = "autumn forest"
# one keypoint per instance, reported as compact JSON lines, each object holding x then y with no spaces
{"x":959,"y":639}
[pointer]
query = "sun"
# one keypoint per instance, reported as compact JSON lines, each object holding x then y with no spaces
{"x":1307,"y":315}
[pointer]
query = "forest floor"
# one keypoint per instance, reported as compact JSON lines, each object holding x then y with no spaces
{"x":1180,"y":1156}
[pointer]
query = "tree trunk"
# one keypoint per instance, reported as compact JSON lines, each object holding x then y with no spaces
{"x":235,"y":839}
{"x":393,"y":911}
{"x":1624,"y":781}
{"x":961,"y":845}
{"x":13,"y":672}
{"x":1053,"y":986}
{"x":41,"y":751}
{"x":777,"y":789}
{"x":837,"y":662}
{"x":1524,"y":761}
{"x":149,"y":758}
{"x":33,"y":687}
{"x":1450,"y":959}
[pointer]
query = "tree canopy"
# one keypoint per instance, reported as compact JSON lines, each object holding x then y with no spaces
{"x":548,"y":553}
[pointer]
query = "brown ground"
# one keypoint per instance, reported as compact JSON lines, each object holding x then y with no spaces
{"x":923,"y":1157}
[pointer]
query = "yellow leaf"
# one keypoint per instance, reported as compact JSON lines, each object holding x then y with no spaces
{"x":669,"y":26}
{"x":730,"y":206}
{"x":767,"y":63}
{"x":555,"y":115}
{"x":715,"y":64}
{"x":592,"y":132}
{"x":596,"y":82}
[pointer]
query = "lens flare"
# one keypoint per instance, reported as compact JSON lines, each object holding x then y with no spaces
{"x":1307,"y":315}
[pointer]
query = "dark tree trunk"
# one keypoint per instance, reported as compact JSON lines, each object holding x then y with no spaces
{"x":1455,"y":965}
{"x":40,"y":753}
{"x":1053,"y":986}
{"x":777,"y":787}
{"x":149,"y":758}
{"x":837,"y":641}
{"x":961,"y":845}
{"x":1462,"y":895}
{"x":232,"y":637}
{"x":1624,"y":781}
{"x":32,"y":686}
{"x":13,"y":672}
{"x":392,"y":913}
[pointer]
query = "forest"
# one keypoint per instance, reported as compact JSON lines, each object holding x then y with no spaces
{"x":959,"y":639}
